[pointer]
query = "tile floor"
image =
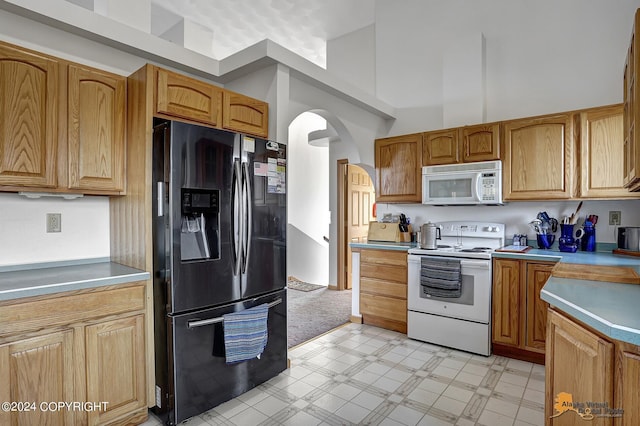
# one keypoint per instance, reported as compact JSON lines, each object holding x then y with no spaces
{"x":359,"y":374}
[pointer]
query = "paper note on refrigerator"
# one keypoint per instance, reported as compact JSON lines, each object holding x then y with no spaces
{"x":277,"y":172}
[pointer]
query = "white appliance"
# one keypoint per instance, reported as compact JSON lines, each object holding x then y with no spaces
{"x":463,"y":184}
{"x":462,"y":322}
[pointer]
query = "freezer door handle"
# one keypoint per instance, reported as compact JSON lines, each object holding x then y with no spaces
{"x":236,"y":222}
{"x":248,"y":215}
{"x":161,"y":197}
{"x":202,"y":323}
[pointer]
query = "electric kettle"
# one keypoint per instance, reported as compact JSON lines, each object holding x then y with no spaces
{"x":429,"y":234}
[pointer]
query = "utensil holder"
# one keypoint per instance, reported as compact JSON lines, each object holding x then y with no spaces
{"x":566,"y":242}
{"x":545,"y":241}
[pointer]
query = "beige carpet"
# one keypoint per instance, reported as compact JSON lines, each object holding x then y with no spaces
{"x":312,"y":313}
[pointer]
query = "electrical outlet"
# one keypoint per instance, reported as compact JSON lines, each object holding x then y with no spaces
{"x":615,"y":217}
{"x":54,"y":222}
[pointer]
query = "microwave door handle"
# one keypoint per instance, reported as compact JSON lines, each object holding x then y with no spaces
{"x":478,"y":187}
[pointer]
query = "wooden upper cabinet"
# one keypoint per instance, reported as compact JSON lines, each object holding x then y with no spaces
{"x":244,"y":114}
{"x":631,"y":144}
{"x":602,"y":153}
{"x":185,"y":97}
{"x":539,"y":158}
{"x":399,"y":169}
{"x":441,"y":147}
{"x":96,"y":129}
{"x":28,"y":118}
{"x":480,"y":143}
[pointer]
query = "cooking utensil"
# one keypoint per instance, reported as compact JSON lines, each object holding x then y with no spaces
{"x":574,"y":216}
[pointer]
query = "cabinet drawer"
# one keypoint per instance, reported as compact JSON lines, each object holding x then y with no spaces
{"x":384,"y":307}
{"x":63,"y":309}
{"x":383,"y":288}
{"x":384,"y":272}
{"x":384,"y":257}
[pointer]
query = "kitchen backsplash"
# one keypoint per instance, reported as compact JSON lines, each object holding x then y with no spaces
{"x":517,"y":215}
{"x":84,"y":229}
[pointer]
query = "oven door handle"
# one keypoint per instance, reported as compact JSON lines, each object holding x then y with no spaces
{"x":478,"y":264}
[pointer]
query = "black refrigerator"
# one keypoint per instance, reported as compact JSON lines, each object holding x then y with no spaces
{"x":219,"y":232}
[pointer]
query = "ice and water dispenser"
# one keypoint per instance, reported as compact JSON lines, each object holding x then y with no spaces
{"x":200,"y":234}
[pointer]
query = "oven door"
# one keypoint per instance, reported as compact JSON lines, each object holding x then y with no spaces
{"x":473,"y":305}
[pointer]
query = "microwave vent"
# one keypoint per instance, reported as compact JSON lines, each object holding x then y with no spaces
{"x":463,"y":167}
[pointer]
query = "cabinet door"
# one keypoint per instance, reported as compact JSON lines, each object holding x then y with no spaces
{"x":602,"y":153}
{"x":399,"y":169}
{"x":481,"y":143}
{"x":579,"y":363}
{"x":538,"y":162}
{"x":440,"y":147}
{"x":38,"y":370}
{"x":536,"y":326}
{"x":97,"y":117}
{"x":506,"y":301}
{"x":28,"y":118}
{"x":116,"y":370}
{"x":631,"y":169}
{"x":244,"y":114}
{"x":627,"y":377}
{"x":184,"y":97}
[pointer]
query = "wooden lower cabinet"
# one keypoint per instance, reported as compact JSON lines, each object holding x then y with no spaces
{"x":36,"y":370}
{"x":85,"y":347}
{"x":519,"y":316}
{"x":627,"y":379}
{"x":580,"y":369}
{"x":115,"y":355}
{"x":383,"y":288}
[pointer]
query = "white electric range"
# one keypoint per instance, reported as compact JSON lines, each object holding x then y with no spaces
{"x":459,"y":319}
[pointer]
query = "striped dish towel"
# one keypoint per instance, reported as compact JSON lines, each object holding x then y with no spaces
{"x":245,"y":333}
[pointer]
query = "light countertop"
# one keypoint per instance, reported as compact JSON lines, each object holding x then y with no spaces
{"x":610,"y":308}
{"x":40,"y":279}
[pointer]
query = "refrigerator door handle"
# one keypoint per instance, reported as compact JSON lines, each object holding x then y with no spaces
{"x":248,"y":215}
{"x":236,"y":221}
{"x":202,"y":323}
{"x":161,"y":197}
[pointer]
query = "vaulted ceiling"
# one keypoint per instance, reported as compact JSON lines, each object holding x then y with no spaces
{"x":302,"y":26}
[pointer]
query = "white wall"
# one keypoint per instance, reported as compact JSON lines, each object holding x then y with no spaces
{"x":541,"y":57}
{"x":85,"y":229}
{"x":353,"y":56}
{"x":516,"y":215}
{"x":308,"y":197}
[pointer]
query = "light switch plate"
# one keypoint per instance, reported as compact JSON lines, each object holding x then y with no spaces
{"x":54,"y":222}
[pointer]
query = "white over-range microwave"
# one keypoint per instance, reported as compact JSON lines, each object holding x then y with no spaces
{"x":463,"y":184}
